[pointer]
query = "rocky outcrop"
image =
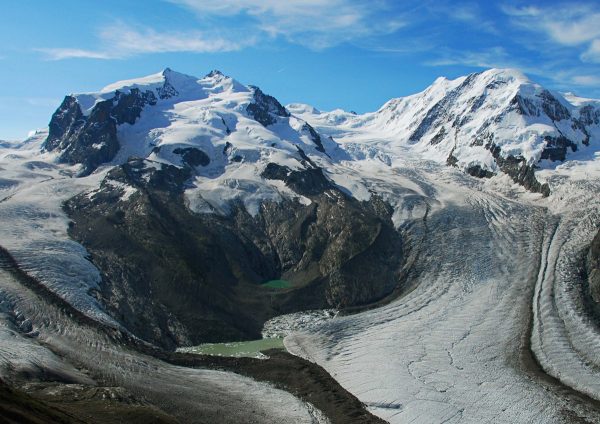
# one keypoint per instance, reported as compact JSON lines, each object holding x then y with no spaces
{"x":308,"y":182}
{"x":173,"y":277}
{"x":314,"y":136}
{"x":520,"y":172}
{"x":88,"y":141}
{"x":265,"y":109}
{"x":557,"y":147}
{"x":192,"y":156}
{"x":479,"y":172}
{"x":128,"y":106}
{"x":92,"y":140}
{"x":588,"y":115}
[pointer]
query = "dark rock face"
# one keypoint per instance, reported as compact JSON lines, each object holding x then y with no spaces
{"x":173,"y":277}
{"x":129,"y":105}
{"x":452,"y":160}
{"x":439,"y":136}
{"x":309,"y":182}
{"x":265,"y":108}
{"x":192,"y":156}
{"x":519,"y":171}
{"x":515,"y":167}
{"x":167,"y":91}
{"x":315,"y":137}
{"x":479,"y":172}
{"x":588,"y":115}
{"x":66,"y":120}
{"x":553,"y":108}
{"x":549,"y":106}
{"x":556,"y":148}
{"x":90,"y":140}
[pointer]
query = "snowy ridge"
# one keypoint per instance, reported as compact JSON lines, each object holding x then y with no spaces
{"x":213,"y":116}
{"x":464,"y":118}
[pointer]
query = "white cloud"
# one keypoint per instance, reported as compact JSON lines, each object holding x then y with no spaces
{"x":592,"y":54}
{"x":568,"y":34}
{"x":128,"y":41}
{"x":570,"y":24}
{"x":67,"y":53}
{"x":121,"y":41}
{"x":314,"y":23}
{"x":586,"y":80}
{"x":468,"y":13}
{"x":317,"y":24}
{"x":495,"y":57}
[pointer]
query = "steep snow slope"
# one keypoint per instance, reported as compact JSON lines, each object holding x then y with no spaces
{"x":485,"y":123}
{"x":224,"y":131}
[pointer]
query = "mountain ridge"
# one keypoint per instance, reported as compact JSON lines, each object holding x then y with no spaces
{"x":485,"y":123}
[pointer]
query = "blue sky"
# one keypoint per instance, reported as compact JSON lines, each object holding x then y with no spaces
{"x":352,"y":54}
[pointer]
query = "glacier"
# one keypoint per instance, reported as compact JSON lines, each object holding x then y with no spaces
{"x":491,"y":325}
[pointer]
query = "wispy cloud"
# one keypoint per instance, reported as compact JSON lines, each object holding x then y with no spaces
{"x":467,"y":13}
{"x":592,"y":54}
{"x":68,"y":53}
{"x":129,"y":40}
{"x":317,"y":24}
{"x":119,"y":41}
{"x":586,"y":80}
{"x":490,"y":58}
{"x":571,"y":24}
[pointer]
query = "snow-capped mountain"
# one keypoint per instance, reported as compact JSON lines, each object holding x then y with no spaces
{"x":171,"y":210}
{"x":485,"y":123}
{"x":233,"y":175}
{"x":214,"y":126}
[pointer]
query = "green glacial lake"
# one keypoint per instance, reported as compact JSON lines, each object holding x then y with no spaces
{"x":249,"y":349}
{"x":277,"y":284}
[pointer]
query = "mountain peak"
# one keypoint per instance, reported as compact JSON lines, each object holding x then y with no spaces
{"x":216,"y":82}
{"x":214,"y":73}
{"x":505,"y":74}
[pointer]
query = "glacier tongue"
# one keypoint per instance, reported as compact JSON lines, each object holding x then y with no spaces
{"x":455,"y":348}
